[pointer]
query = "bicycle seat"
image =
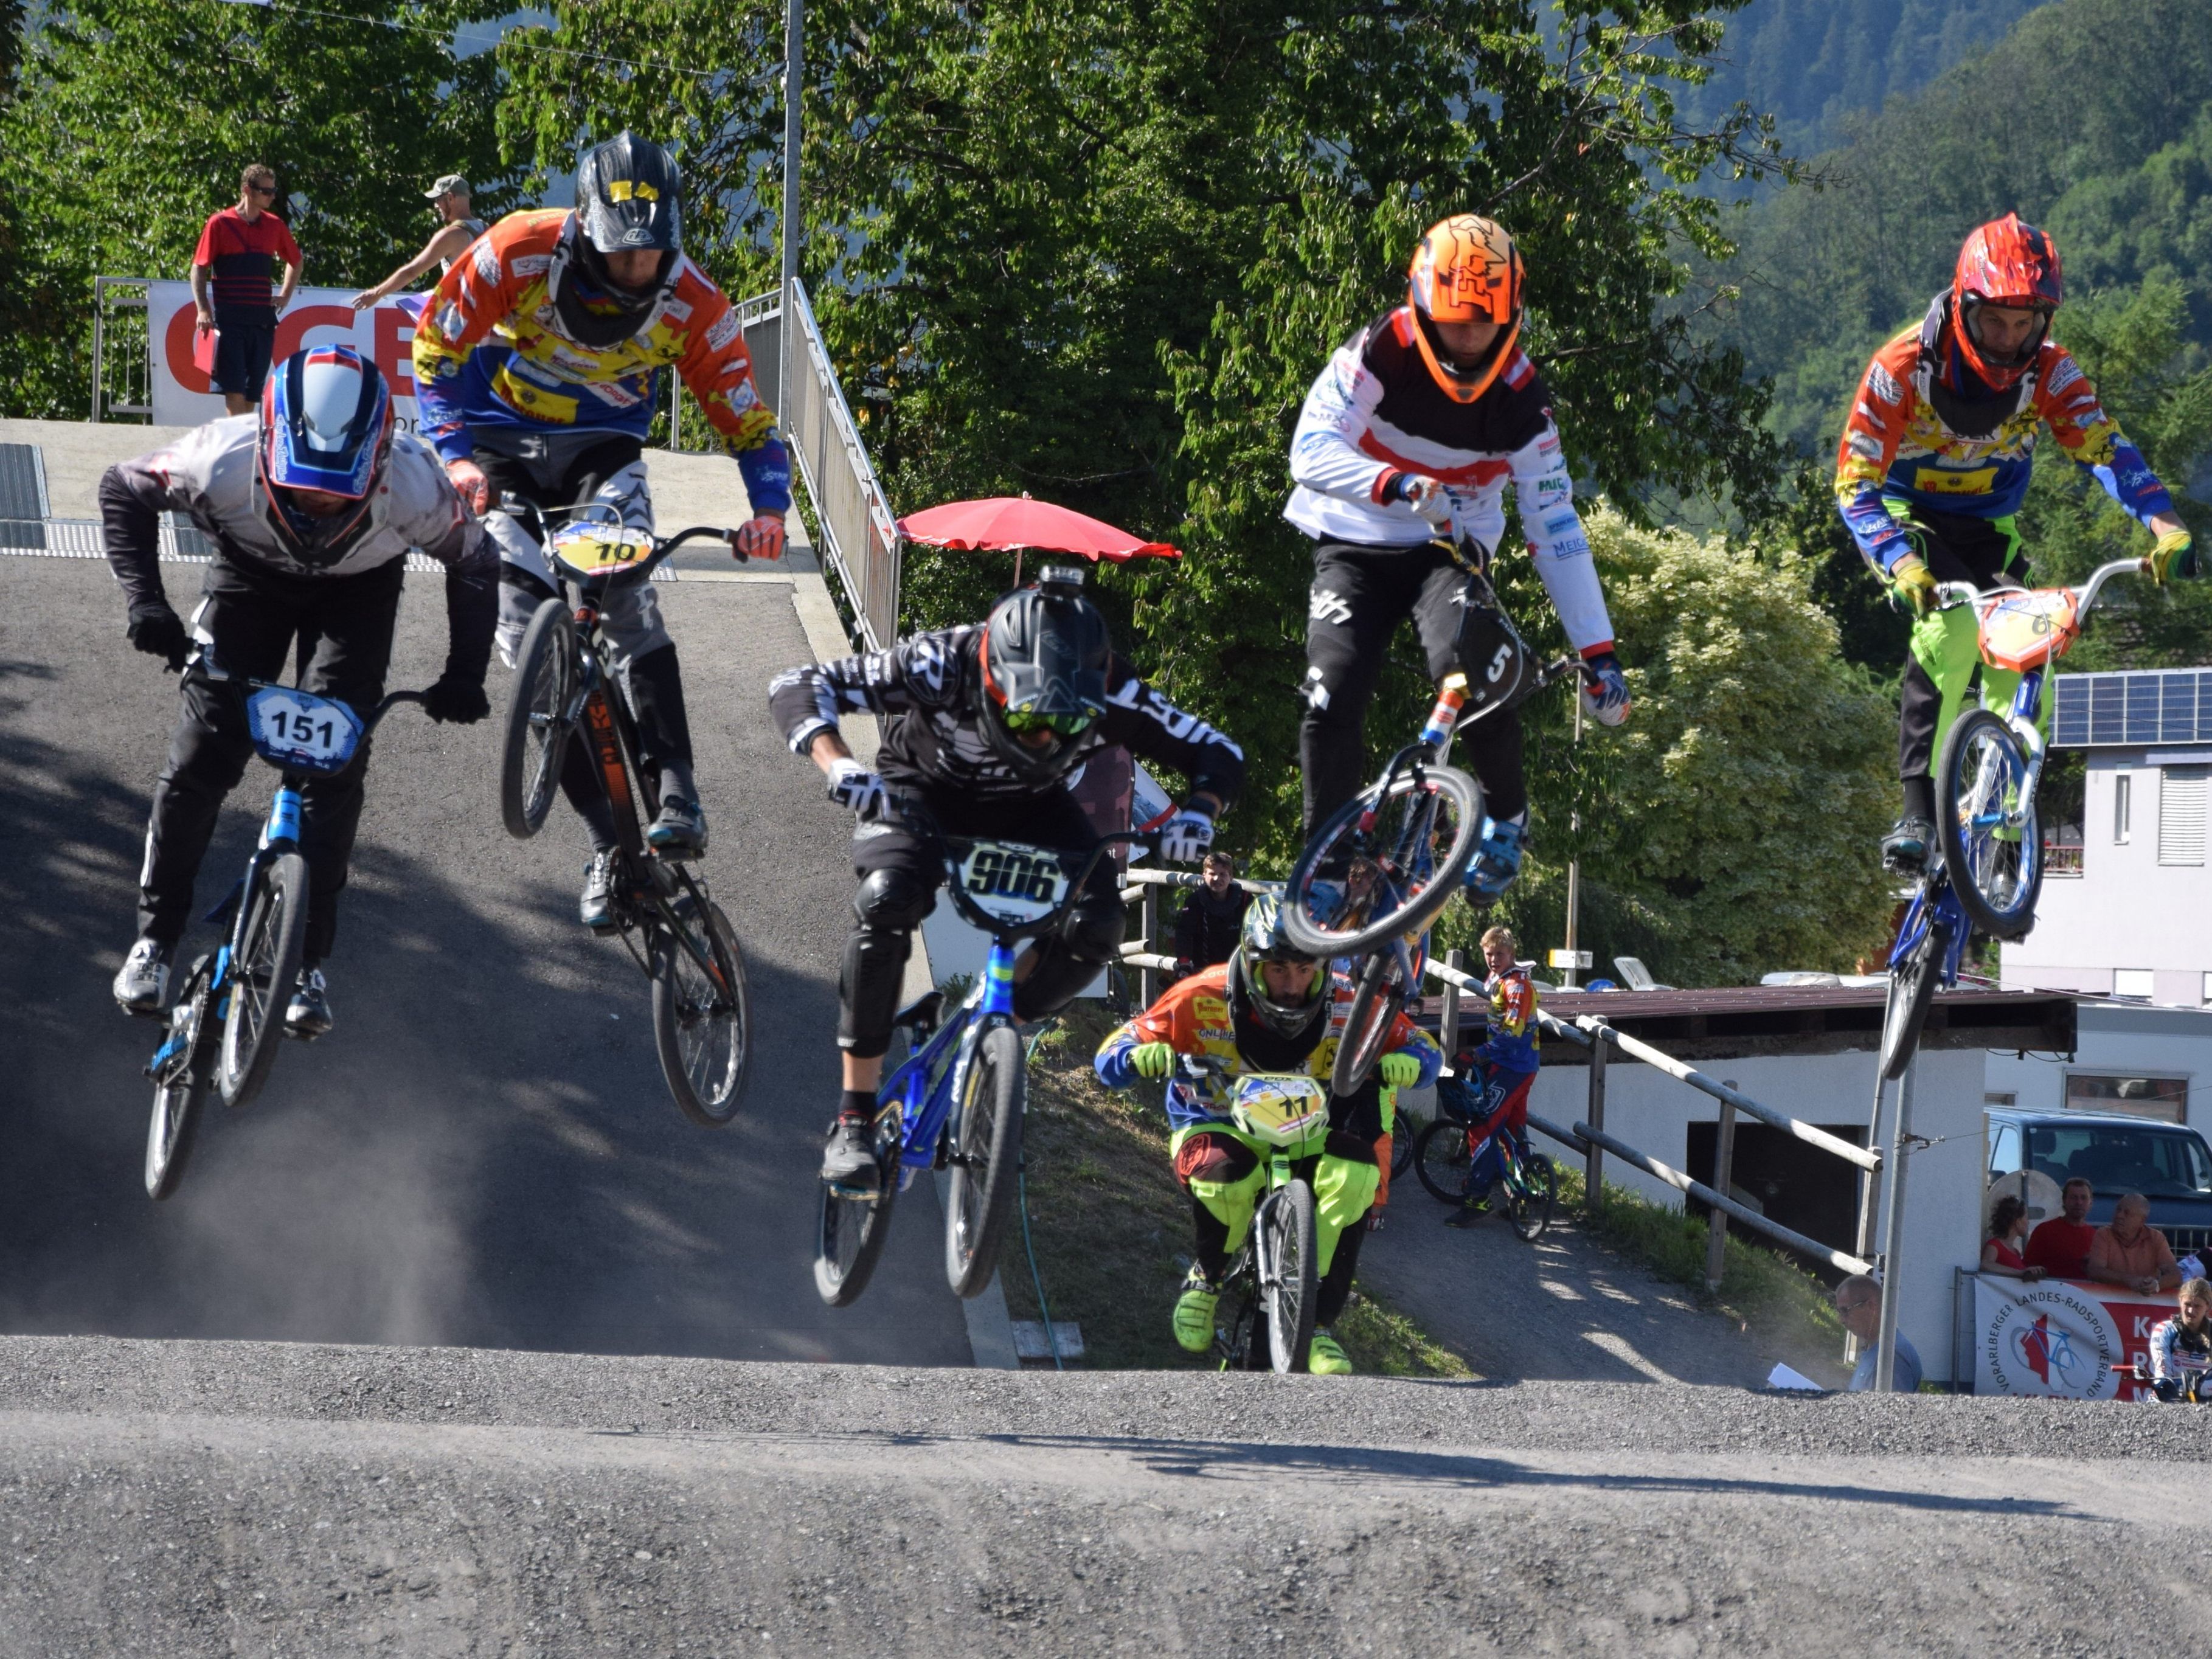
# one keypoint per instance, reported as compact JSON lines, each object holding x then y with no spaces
{"x":920,"y":1015}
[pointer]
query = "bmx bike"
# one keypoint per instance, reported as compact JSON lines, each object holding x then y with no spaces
{"x":1443,"y":1157}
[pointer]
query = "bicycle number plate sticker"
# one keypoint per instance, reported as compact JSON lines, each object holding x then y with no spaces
{"x":299,"y":729}
{"x":2020,"y":631}
{"x":590,"y":550}
{"x":1282,"y":1111}
{"x":1011,"y":882}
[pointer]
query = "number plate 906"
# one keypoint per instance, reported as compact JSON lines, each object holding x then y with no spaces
{"x":1011,"y":882}
{"x":299,"y":729}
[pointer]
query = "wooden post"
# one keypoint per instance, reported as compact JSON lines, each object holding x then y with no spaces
{"x":1723,"y":1178}
{"x":1148,"y":979}
{"x":1448,"y":1025}
{"x":1593,"y":1166}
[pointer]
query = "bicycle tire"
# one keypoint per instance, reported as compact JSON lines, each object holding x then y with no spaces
{"x":262,"y":975}
{"x":1539,"y":1191}
{"x":538,"y":730}
{"x":1403,"y":1134}
{"x":1291,"y":1295}
{"x":174,"y":1126}
{"x":1912,"y":989}
{"x":702,"y":1031}
{"x":1374,"y":1004}
{"x":987,"y":1155}
{"x":1998,"y":879}
{"x":850,"y":1232}
{"x":1303,"y":903}
{"x":1440,"y":1160}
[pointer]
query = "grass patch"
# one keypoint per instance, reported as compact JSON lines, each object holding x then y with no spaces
{"x":1112,"y":1230}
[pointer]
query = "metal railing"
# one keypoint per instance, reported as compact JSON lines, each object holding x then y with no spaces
{"x":122,"y":348}
{"x":1142,"y":887}
{"x":1589,"y":1137}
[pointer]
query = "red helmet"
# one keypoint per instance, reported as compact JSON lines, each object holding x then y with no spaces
{"x":1466,"y":270}
{"x":2005,"y":262}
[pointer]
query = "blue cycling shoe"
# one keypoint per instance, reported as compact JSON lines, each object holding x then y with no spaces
{"x":1497,"y":861}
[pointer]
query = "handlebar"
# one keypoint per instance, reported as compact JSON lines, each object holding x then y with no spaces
{"x":515,"y":507}
{"x":1950,"y":595}
{"x":915,"y":816}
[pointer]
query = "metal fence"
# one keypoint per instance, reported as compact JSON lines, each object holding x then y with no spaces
{"x":122,"y":351}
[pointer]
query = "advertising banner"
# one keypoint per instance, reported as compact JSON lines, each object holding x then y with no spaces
{"x":317,"y":316}
{"x":2061,"y":1337}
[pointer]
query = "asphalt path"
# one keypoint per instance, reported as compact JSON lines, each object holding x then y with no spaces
{"x":482,"y":1152}
{"x":190,"y":1498}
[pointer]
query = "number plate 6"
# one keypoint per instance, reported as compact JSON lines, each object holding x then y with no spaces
{"x":299,"y":729}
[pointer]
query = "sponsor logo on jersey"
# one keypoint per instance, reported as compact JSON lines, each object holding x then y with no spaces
{"x":487,"y":261}
{"x":722,"y":331}
{"x":2064,"y":375}
{"x":1865,"y":445}
{"x":1935,"y":481}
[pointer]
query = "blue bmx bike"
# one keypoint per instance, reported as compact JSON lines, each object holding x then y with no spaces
{"x":956,"y":1103}
{"x":231,"y":1004}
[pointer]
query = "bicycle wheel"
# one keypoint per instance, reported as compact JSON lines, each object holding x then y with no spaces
{"x":850,"y":1238}
{"x":1290,"y":1288}
{"x":1912,"y":989}
{"x":1538,"y":1191}
{"x":181,"y":1090}
{"x":1403,"y":1134}
{"x":539,"y":722}
{"x":1384,"y":864}
{"x":1441,"y":1159}
{"x":261,"y":975}
{"x":1987,"y":825}
{"x":701,"y":1023}
{"x":986,"y":1154}
{"x":1375,"y":1007}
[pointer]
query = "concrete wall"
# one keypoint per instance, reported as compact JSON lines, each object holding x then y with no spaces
{"x":2116,"y":1037}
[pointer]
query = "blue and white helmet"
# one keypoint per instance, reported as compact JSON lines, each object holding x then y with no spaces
{"x":327,"y":426}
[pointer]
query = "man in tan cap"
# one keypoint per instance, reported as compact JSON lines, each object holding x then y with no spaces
{"x":450,"y":196}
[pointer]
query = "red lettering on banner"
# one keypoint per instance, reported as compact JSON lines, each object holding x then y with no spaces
{"x":292,"y":327}
{"x":177,"y":347}
{"x":391,"y":343}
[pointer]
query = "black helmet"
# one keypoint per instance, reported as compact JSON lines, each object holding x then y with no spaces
{"x":630,"y":197}
{"x":1265,"y":940}
{"x":1041,"y":663}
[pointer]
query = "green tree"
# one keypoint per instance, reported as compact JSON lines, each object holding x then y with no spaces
{"x":141,"y":113}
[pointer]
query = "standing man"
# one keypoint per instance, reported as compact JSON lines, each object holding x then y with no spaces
{"x":1211,"y":920}
{"x":457,"y":229}
{"x":239,"y":250}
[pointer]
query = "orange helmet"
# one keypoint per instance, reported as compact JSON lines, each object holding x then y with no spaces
{"x":1466,"y":270}
{"x":2005,"y":262}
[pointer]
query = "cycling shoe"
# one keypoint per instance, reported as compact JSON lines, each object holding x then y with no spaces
{"x":143,"y":985}
{"x":680,"y":831}
{"x":848,"y":1162}
{"x":596,"y":908}
{"x":1905,"y":849}
{"x":1193,"y":1313}
{"x":1497,"y":861}
{"x":1327,"y":1357}
{"x":307,"y":1016}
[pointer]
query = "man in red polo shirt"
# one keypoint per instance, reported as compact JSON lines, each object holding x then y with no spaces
{"x":2062,"y":1244}
{"x":239,"y":250}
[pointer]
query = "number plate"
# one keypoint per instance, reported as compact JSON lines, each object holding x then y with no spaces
{"x":299,"y":729}
{"x":1015,"y":884}
{"x":2020,"y":631}
{"x":586,"y":551}
{"x":1281,"y":1110}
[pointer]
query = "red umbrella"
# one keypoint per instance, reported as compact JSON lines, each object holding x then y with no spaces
{"x":1016,"y":524}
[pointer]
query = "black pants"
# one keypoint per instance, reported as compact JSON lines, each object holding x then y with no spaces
{"x":900,"y":873}
{"x":245,"y":336}
{"x":1946,"y":651}
{"x":653,"y":681}
{"x":1359,"y":596}
{"x":343,"y":626}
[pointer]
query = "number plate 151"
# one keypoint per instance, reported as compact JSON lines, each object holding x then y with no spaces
{"x":298,"y":728}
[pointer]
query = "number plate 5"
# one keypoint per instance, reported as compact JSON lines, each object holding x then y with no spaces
{"x":299,"y":729}
{"x":1013,"y":882}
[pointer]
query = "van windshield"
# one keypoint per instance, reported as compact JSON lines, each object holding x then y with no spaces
{"x":2124,"y":1158}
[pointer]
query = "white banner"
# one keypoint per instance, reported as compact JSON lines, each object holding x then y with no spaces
{"x":317,"y":316}
{"x":2058,"y":1337}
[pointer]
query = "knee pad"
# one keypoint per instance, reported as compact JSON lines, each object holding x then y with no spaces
{"x":1218,"y":1160}
{"x":892,"y":900}
{"x":630,"y":494}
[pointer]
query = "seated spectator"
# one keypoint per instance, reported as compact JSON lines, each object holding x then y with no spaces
{"x":2132,"y":1253}
{"x":1212,"y":918}
{"x":2060,"y":1245}
{"x":2000,"y":1250}
{"x":1858,"y":1301}
{"x":2181,"y":1347}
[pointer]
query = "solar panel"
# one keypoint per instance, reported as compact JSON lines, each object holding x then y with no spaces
{"x":2132,"y":710}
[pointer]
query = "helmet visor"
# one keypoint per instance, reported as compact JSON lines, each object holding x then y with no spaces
{"x":1024,"y":721}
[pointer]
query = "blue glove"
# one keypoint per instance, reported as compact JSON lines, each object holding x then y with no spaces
{"x":1607,"y":699}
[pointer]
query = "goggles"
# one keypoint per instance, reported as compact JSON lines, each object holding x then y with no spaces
{"x":1023,"y":721}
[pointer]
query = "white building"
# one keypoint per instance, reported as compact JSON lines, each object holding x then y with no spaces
{"x":2127,"y":895}
{"x":2128,"y":1057}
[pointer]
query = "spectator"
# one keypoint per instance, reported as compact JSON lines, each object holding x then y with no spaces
{"x":456,"y":230}
{"x":2129,"y":1253}
{"x":2008,"y":1230}
{"x":2181,"y":1347}
{"x":2060,"y":1245}
{"x":1858,"y":1303}
{"x":239,"y":250}
{"x":1212,"y":918}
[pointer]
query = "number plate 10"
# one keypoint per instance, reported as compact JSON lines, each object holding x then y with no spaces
{"x":299,"y":729}
{"x":1013,"y":882}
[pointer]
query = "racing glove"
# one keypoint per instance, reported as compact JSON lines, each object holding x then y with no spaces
{"x":2174,"y":556}
{"x":475,"y":489}
{"x":1911,"y":583}
{"x":1399,"y":1071}
{"x":1153,"y":1060}
{"x":457,"y":698}
{"x":159,"y":632}
{"x":759,"y":538}
{"x":1185,"y":837}
{"x":1605,"y":690}
{"x":853,"y":785}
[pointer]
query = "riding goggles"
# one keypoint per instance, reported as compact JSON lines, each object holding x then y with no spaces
{"x":1022,"y":721}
